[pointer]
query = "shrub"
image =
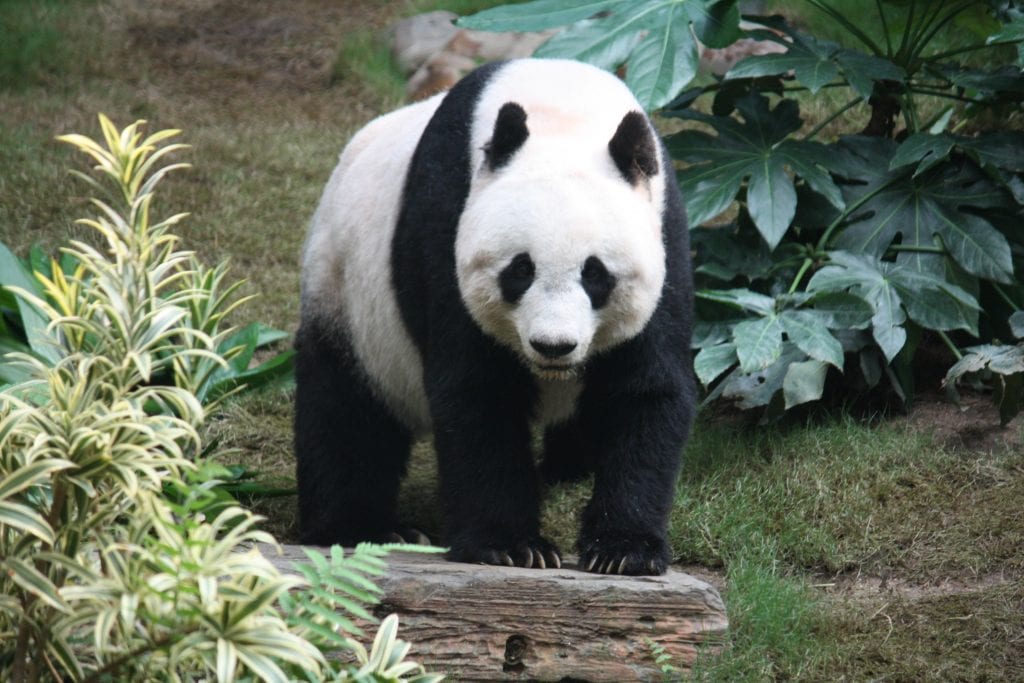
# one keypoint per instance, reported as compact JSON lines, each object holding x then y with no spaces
{"x":842,"y":254}
{"x":102,"y":577}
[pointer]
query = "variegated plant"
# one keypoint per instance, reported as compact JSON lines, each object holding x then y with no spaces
{"x":102,"y":577}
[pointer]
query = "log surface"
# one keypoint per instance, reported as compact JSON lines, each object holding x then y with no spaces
{"x":484,"y":623}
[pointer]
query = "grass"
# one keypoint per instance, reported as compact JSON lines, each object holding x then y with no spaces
{"x":847,"y":550}
{"x":805,"y":523}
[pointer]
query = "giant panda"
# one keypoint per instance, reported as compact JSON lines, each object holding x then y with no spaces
{"x":509,"y":255}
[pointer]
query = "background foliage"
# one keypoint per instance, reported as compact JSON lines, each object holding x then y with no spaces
{"x":815,"y":255}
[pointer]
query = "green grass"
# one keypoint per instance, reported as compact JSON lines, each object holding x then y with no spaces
{"x":31,"y":47}
{"x":797,"y":517}
{"x":365,"y":56}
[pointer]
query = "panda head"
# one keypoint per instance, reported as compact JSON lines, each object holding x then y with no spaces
{"x":559,"y":252}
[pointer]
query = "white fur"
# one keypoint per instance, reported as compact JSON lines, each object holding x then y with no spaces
{"x":560,"y":199}
{"x":347,"y":258}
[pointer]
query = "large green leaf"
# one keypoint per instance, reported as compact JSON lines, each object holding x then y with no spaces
{"x":757,"y":151}
{"x":816,"y":63}
{"x":808,"y":329}
{"x":895,"y":291}
{"x":14,"y":274}
{"x":755,"y":389}
{"x":920,"y":212}
{"x":537,"y":15}
{"x":712,"y":361}
{"x":664,"y":63}
{"x":758,"y":342}
{"x":658,"y":38}
{"x":804,"y":382}
{"x":744,"y":299}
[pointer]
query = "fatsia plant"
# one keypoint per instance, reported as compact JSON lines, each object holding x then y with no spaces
{"x":102,"y":577}
{"x":847,"y":252}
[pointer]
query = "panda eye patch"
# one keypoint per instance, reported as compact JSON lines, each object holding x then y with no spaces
{"x":516,"y":278}
{"x":597,"y":282}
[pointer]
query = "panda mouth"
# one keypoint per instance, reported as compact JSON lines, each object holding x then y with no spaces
{"x":555,"y":372}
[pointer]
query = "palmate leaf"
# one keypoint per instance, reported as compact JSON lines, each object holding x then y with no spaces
{"x":816,"y":63}
{"x":921,"y":211}
{"x":712,"y":361}
{"x":758,"y":388}
{"x":1007,"y":365}
{"x":757,"y":343}
{"x":756,"y":151}
{"x":658,"y":38}
{"x":804,"y":382}
{"x":1001,"y":150}
{"x":895,"y":291}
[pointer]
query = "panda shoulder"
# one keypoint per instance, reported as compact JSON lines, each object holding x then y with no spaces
{"x":399,"y":129}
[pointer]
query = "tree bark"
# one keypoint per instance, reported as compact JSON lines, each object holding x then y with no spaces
{"x":485,"y":623}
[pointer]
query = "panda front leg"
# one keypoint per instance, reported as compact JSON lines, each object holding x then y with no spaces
{"x":489,"y":485}
{"x":350,"y":451}
{"x":624,"y":527}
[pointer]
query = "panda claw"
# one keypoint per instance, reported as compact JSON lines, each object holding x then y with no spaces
{"x":528,"y":562}
{"x":590,"y":565}
{"x":409,"y":536}
{"x":419,"y":538}
{"x":622,"y":565}
{"x":554,"y":560}
{"x":506,"y":559}
{"x":539,"y":556}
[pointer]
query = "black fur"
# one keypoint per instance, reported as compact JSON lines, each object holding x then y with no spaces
{"x":597,"y":282}
{"x":631,"y":422}
{"x":516,"y":278}
{"x":637,"y":406}
{"x":510,"y":132}
{"x":489,"y":488}
{"x":345,"y":496}
{"x":633,"y":148}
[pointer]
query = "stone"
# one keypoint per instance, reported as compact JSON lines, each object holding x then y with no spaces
{"x":415,"y":39}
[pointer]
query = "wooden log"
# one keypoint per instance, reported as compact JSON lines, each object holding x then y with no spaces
{"x":485,"y":623}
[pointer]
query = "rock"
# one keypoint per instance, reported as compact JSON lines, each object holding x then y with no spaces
{"x":485,"y":623}
{"x":464,"y":52}
{"x":415,"y":39}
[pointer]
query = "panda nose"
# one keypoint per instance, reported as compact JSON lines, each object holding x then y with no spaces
{"x":552,"y":351}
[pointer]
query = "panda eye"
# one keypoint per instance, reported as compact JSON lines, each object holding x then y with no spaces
{"x":516,"y":278}
{"x":597,"y":282}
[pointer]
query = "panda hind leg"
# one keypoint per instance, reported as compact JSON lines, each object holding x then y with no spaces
{"x":351,"y":453}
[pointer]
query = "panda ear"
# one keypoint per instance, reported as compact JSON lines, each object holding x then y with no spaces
{"x":510,"y":132}
{"x":633,"y":149}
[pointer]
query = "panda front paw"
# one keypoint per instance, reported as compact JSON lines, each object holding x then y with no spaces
{"x":535,"y":552}
{"x":643,"y":556}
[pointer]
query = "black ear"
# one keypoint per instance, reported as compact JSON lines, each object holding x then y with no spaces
{"x":633,"y":149}
{"x":510,"y":133}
